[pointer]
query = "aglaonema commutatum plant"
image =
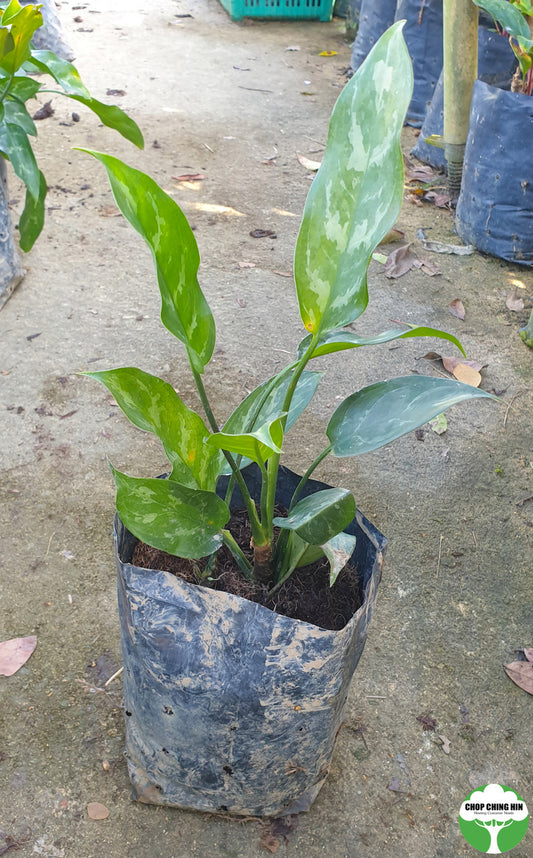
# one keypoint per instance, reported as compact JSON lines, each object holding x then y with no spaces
{"x":353,"y":201}
{"x":18,"y":61}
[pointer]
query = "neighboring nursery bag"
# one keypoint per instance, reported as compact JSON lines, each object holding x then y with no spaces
{"x":229,"y":706}
{"x":495,"y":206}
{"x":423,"y":36}
{"x":496,"y":65}
{"x":375,"y":16}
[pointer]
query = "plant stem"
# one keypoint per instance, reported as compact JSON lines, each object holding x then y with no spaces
{"x":255,"y":524}
{"x":273,"y":462}
{"x":242,"y":561}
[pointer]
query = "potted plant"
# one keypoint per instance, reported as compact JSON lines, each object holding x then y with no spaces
{"x":495,"y":205}
{"x":19,"y":63}
{"x":231,"y":705}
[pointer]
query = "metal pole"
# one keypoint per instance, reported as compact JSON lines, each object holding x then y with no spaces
{"x":460,"y":35}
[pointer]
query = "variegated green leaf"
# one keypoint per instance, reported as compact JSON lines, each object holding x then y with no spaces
{"x":15,"y":144}
{"x":153,"y":405}
{"x":16,"y":114}
{"x":258,"y":445}
{"x":176,"y":519}
{"x":31,"y":220}
{"x":357,"y":193}
{"x":165,"y":229}
{"x":382,"y":412}
{"x":336,"y":341}
{"x":23,"y":22}
{"x":63,"y":72}
{"x":338,"y":550}
{"x":509,"y":18}
{"x":320,"y":516}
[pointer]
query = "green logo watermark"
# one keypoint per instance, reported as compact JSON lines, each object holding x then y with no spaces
{"x":493,"y":819}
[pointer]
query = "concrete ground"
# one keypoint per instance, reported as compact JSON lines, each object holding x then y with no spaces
{"x":237,"y":102}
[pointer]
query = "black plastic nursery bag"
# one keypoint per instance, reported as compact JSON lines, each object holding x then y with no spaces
{"x":229,"y":706}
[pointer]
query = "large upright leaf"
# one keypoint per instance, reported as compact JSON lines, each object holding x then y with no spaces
{"x":169,"y":516}
{"x":153,"y":405}
{"x":382,"y":412}
{"x":165,"y":229}
{"x":337,"y":341}
{"x":357,"y":193}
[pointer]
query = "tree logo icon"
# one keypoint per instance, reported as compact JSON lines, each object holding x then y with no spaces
{"x":493,"y":819}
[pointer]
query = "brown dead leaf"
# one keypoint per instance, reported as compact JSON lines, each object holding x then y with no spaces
{"x":268,"y":841}
{"x":263,"y":233}
{"x":115,"y":92}
{"x":442,"y":201}
{"x":308,"y":163}
{"x":109,"y":211}
{"x":457,"y":308}
{"x":528,"y":652}
{"x":427,"y":267}
{"x":392,"y":235}
{"x":467,"y":374}
{"x":95,"y":810}
{"x":413,"y":199}
{"x":451,"y":362}
{"x":14,"y":653}
{"x":190,"y":177}
{"x":514,"y":303}
{"x":422,"y":173}
{"x":246,"y":264}
{"x":399,"y":262}
{"x":44,"y":112}
{"x":521,"y":673}
{"x":445,"y":744}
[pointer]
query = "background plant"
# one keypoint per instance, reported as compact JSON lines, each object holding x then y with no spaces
{"x":353,"y":202}
{"x":18,"y":62}
{"x":515,"y":18}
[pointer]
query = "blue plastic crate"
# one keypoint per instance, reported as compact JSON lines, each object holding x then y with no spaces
{"x":321,"y":10}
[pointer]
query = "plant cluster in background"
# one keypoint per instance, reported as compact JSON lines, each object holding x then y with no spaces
{"x":19,"y":62}
{"x":515,"y":19}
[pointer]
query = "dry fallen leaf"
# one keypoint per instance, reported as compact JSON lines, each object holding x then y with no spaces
{"x":308,"y":163}
{"x":514,"y":303}
{"x":190,"y":177}
{"x":451,"y":362}
{"x":457,"y":308}
{"x":528,"y":652}
{"x":95,"y":810}
{"x":399,"y":262}
{"x":445,"y":744}
{"x":269,"y":842}
{"x":14,"y":653}
{"x":467,"y":374}
{"x":521,"y":673}
{"x":263,"y":233}
{"x":392,"y":235}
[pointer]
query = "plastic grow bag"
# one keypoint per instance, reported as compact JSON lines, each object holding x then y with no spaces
{"x":230,"y":707}
{"x":495,"y":206}
{"x":375,"y":16}
{"x":423,"y":36}
{"x":496,"y":65}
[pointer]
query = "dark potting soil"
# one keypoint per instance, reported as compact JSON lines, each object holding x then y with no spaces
{"x":306,"y":595}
